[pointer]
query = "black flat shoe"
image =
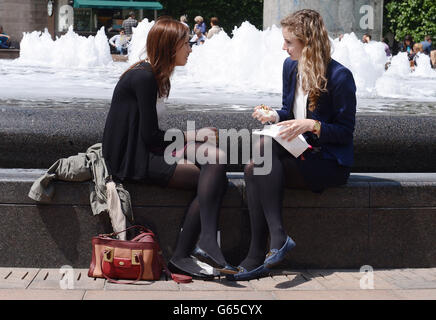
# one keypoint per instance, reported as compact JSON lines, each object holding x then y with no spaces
{"x":188,"y":266}
{"x":203,"y":256}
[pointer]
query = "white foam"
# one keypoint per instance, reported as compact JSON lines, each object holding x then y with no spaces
{"x":243,"y":67}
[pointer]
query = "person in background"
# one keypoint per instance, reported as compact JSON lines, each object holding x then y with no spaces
{"x":4,"y":39}
{"x":130,"y":23}
{"x":387,"y":48}
{"x":120,"y":42}
{"x":199,"y":24}
{"x":215,"y":28}
{"x":407,"y":46}
{"x":426,"y":45}
{"x":366,"y":38}
{"x":184,"y":20}
{"x":417,"y":51}
{"x":198,"y":38}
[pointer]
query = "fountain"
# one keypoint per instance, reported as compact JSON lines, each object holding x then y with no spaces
{"x":74,"y":76}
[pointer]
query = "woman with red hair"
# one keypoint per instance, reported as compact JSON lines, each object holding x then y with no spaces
{"x":134,"y":145}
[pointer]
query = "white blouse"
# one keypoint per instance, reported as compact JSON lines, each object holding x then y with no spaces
{"x":300,"y":103}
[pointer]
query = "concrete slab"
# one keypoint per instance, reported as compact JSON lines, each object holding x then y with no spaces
{"x":337,"y":295}
{"x":217,"y":285}
{"x":161,"y":285}
{"x":23,"y":294}
{"x":428,"y":294}
{"x":302,"y":295}
{"x":17,"y":278}
{"x":173,"y":295}
{"x":54,"y":279}
{"x":364,"y":295}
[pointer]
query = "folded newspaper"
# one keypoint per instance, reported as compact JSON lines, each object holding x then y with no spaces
{"x":296,"y":146}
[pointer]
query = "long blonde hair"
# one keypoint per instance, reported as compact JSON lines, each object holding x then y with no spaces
{"x":308,"y":26}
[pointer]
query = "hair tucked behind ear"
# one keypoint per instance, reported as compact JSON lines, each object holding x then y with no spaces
{"x":308,"y":26}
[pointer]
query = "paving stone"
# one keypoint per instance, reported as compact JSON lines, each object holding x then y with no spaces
{"x":347,"y":280}
{"x":427,"y":294}
{"x":162,"y":285}
{"x":364,"y":295}
{"x":302,"y":295}
{"x":337,"y":295}
{"x":177,"y":295}
{"x":16,"y":278}
{"x":413,"y":284}
{"x":220,"y":284}
{"x":296,"y":281}
{"x":426,"y":274}
{"x":23,"y":294}
{"x":54,"y":279}
{"x":330,"y":280}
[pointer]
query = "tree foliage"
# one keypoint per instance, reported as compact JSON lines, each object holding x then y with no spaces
{"x":414,"y":17}
{"x":230,"y":13}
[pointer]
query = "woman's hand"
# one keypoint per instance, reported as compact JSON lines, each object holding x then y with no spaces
{"x":293,"y":128}
{"x":264,"y":114}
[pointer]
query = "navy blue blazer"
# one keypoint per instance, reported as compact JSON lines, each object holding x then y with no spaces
{"x":336,"y":110}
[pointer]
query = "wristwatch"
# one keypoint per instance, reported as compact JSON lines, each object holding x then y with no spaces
{"x":317,"y":128}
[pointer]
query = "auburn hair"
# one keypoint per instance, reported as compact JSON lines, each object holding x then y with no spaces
{"x":163,"y":41}
{"x":308,"y":27}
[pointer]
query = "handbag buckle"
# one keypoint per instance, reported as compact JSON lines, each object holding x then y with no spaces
{"x":108,"y":255}
{"x":135,"y":257}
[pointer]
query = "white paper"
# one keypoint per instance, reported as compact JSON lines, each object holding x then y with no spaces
{"x":295,"y":147}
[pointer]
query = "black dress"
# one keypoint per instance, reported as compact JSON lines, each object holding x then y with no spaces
{"x":132,"y":131}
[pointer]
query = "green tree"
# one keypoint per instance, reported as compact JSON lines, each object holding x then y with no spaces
{"x":230,"y":13}
{"x":414,"y":17}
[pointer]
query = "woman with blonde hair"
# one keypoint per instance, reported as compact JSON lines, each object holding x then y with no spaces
{"x":200,"y":24}
{"x":319,"y":101}
{"x":134,"y":147}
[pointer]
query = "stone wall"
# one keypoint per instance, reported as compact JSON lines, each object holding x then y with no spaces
{"x":18,"y":16}
{"x":340,"y":16}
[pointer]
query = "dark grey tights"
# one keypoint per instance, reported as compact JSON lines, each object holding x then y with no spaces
{"x":201,"y":219}
{"x":265,"y":200}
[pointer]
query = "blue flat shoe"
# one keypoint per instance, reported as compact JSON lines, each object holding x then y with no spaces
{"x":244,"y":275}
{"x":275,"y":256}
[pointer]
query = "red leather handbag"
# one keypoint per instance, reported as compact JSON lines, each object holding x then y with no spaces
{"x":136,"y":259}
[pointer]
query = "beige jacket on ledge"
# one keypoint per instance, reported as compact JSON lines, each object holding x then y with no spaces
{"x":105,"y":196}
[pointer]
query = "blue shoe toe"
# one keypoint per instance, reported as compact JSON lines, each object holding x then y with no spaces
{"x":244,"y":275}
{"x":275,"y":256}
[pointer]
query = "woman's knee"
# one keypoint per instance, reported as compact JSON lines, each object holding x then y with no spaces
{"x":248,"y":170}
{"x":185,"y":176}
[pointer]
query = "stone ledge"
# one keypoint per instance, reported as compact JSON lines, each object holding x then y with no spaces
{"x":383,"y":220}
{"x":364,"y":190}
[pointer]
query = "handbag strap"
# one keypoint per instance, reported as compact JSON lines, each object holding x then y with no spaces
{"x":113,"y":234}
{"x":141,"y":271}
{"x":179,"y":278}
